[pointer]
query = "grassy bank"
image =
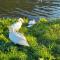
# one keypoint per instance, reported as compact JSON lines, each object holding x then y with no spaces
{"x":43,"y":38}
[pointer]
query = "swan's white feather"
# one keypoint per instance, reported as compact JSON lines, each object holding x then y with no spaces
{"x":31,"y":23}
{"x":18,"y":38}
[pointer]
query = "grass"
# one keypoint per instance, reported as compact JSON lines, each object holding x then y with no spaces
{"x":43,"y":38}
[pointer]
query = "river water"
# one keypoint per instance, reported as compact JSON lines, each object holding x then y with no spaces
{"x":32,"y":9}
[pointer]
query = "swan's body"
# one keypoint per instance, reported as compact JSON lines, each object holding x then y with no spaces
{"x":32,"y":22}
{"x":18,"y":38}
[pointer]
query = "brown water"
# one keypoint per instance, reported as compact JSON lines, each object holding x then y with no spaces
{"x":30,"y":8}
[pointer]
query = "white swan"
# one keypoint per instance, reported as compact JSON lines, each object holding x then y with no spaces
{"x":16,"y":37}
{"x":31,"y":22}
{"x":16,"y":26}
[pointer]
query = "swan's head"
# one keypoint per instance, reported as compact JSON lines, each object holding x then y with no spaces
{"x":21,"y":20}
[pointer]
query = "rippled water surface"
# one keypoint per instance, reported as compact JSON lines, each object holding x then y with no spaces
{"x":30,"y":8}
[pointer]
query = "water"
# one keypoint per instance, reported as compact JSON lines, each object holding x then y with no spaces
{"x":33,"y":9}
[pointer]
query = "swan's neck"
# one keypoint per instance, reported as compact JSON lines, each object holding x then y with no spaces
{"x":20,"y":22}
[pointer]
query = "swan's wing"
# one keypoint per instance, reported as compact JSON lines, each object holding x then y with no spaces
{"x":32,"y":22}
{"x":13,"y":37}
{"x":19,"y":39}
{"x":20,"y":35}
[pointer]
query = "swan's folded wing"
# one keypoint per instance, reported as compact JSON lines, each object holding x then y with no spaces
{"x":22,"y":39}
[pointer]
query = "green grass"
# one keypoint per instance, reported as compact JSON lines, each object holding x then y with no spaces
{"x":43,"y":38}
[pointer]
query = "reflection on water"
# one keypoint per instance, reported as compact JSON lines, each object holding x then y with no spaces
{"x":30,"y":8}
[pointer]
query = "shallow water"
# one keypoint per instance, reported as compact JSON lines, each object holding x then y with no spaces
{"x":33,"y":9}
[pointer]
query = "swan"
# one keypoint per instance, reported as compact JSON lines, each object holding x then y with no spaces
{"x":31,"y":22}
{"x":18,"y":38}
{"x":15,"y":36}
{"x":16,"y":26}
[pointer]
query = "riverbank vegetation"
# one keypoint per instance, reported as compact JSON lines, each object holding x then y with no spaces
{"x":43,"y":38}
